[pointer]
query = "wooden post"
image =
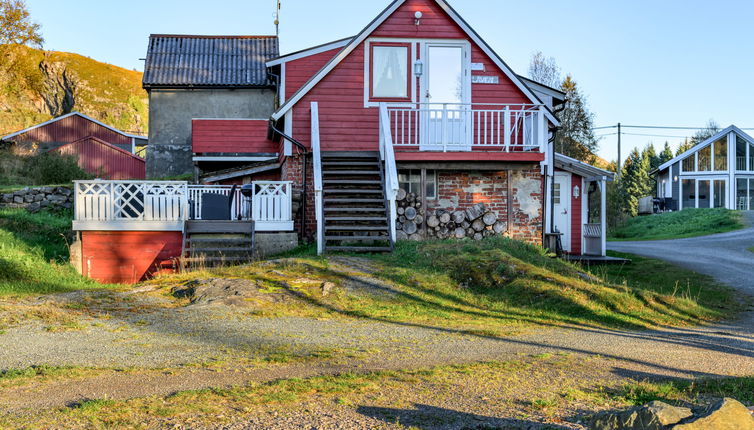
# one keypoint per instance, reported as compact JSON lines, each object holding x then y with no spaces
{"x":603,"y":215}
{"x":423,"y":186}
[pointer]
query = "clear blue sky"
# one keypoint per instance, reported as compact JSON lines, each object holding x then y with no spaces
{"x":645,"y":62}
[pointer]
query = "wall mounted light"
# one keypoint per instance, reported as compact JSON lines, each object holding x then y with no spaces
{"x":576,"y":192}
{"x":418,"y":68}
{"x":418,"y":15}
{"x":675,"y":178}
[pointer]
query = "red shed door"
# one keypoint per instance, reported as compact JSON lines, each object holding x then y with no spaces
{"x":447,"y":97}
{"x":562,"y":207}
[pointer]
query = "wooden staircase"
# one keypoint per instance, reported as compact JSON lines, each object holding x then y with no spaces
{"x":217,"y":243}
{"x":355,"y":207}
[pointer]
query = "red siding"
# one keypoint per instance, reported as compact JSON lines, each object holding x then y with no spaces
{"x":576,"y":214}
{"x":128,"y":256}
{"x":298,"y":72}
{"x":231,"y":136}
{"x":71,"y":129}
{"x":344,"y":122}
{"x":104,"y":160}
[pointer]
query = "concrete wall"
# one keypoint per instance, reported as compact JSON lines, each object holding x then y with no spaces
{"x":170,"y":115}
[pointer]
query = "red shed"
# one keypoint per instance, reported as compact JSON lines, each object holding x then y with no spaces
{"x":104,"y":160}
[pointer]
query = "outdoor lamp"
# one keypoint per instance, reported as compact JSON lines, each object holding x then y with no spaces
{"x":418,"y":15}
{"x":418,"y":67}
{"x":576,"y":192}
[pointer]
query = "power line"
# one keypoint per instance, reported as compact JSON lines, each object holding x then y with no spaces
{"x":660,"y":127}
{"x":654,"y":135}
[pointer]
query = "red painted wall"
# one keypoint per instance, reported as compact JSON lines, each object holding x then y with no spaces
{"x":298,"y":72}
{"x":128,"y":257}
{"x":344,"y":122}
{"x":576,"y":214}
{"x":103,"y":160}
{"x":69,"y":130}
{"x":233,"y":136}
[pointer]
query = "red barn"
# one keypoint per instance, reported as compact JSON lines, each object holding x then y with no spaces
{"x":103,"y":151}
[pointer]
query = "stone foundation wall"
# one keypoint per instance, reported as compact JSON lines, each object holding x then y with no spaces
{"x":36,"y":199}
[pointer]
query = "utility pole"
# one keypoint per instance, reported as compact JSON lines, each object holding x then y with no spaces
{"x":619,"y":159}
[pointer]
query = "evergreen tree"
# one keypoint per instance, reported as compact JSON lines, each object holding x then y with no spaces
{"x":651,"y":155}
{"x":683,"y":147}
{"x":575,"y":137}
{"x":666,"y":154}
{"x":635,"y":182}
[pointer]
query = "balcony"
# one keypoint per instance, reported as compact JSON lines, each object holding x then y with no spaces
{"x":166,"y":206}
{"x":468,"y":127}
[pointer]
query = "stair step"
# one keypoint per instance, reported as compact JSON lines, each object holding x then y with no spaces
{"x":211,"y":259}
{"x":350,"y":154}
{"x":218,"y":240}
{"x":355,"y":218}
{"x":359,"y":248}
{"x":351,"y":172}
{"x":356,"y":228}
{"x":353,"y":181}
{"x":382,"y":209}
{"x":354,"y":201}
{"x":357,"y":238}
{"x":350,"y":163}
{"x":350,"y":191}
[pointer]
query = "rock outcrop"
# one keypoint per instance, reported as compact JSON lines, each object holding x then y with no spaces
{"x":725,"y":414}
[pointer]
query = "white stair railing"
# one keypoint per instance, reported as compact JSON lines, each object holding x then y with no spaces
{"x":317,"y":162}
{"x":387,"y":156}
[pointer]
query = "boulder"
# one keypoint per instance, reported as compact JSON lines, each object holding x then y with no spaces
{"x":39,"y":197}
{"x":65,"y":191}
{"x":226,"y":292}
{"x":725,"y":414}
{"x":7,"y":198}
{"x":28,"y":198}
{"x":34,"y":207}
{"x":652,"y":416}
{"x":47,"y":190}
{"x":18,"y":199}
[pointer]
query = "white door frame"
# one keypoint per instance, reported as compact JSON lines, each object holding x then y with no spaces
{"x":565,"y":202}
{"x":466,"y":99}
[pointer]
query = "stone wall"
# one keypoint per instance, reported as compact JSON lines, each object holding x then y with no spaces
{"x":36,"y":199}
{"x":170,"y":115}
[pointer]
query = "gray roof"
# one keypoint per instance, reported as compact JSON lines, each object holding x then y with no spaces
{"x":176,"y":61}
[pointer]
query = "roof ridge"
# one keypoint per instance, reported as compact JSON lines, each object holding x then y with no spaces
{"x":212,"y":36}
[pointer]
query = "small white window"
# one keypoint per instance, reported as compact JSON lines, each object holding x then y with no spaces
{"x":410,"y":181}
{"x":390,"y":72}
{"x":556,"y":193}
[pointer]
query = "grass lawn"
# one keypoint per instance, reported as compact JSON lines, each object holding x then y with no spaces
{"x":34,"y":254}
{"x":675,"y":225}
{"x":492,"y":287}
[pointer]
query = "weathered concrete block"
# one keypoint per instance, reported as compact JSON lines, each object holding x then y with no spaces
{"x":275,"y":243}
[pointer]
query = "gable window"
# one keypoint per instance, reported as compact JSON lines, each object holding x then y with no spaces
{"x":721,"y":154}
{"x":410,"y":181}
{"x":704,"y":159}
{"x":689,"y":163}
{"x":390,"y":71}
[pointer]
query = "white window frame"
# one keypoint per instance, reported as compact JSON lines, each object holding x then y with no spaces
{"x":696,"y":179}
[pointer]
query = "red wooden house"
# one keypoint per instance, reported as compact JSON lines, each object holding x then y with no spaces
{"x":102,"y":150}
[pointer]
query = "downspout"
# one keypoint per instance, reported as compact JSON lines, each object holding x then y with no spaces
{"x":305,"y":151}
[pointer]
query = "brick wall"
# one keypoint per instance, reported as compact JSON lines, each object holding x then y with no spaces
{"x":458,"y":190}
{"x":292,"y":170}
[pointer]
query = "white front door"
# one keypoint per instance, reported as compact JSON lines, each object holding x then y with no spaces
{"x":562,"y":208}
{"x":446,"y":122}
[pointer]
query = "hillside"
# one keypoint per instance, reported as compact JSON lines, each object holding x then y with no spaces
{"x":40,"y":85}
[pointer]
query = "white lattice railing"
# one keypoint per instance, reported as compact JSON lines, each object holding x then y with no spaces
{"x":161,"y":205}
{"x":461,"y":127}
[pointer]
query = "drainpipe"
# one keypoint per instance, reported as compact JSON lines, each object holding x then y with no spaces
{"x":305,"y":152}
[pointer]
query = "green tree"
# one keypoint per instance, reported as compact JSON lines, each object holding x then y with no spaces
{"x":683,"y":147}
{"x":666,"y":154}
{"x":575,"y":137}
{"x":634,"y":182}
{"x":16,"y":26}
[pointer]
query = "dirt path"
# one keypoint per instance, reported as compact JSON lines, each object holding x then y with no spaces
{"x":235,"y":345}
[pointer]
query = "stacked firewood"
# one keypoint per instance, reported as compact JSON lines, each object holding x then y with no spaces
{"x":475,"y":222}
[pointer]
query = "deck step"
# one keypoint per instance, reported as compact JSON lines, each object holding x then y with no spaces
{"x":214,"y":259}
{"x":355,"y":218}
{"x":351,"y":163}
{"x":352,"y":182}
{"x":218,"y":240}
{"x":359,"y":248}
{"x":351,"y":191}
{"x":350,"y":154}
{"x":195,"y":250}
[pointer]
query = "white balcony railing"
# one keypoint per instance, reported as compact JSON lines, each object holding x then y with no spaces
{"x":741,"y":164}
{"x":462,"y":127}
{"x":163,"y":205}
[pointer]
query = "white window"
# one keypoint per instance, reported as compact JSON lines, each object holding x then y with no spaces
{"x":390,"y":74}
{"x":410,"y":181}
{"x":556,"y":193}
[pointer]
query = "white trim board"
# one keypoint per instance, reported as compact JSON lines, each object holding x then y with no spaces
{"x":235,"y":158}
{"x":54,"y":120}
{"x":309,"y":52}
{"x":707,"y":142}
{"x":364,"y":34}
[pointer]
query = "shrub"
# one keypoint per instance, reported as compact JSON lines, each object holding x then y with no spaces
{"x":51,"y":168}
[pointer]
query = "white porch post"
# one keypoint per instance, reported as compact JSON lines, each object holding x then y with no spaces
{"x":732,"y":165}
{"x":603,"y":214}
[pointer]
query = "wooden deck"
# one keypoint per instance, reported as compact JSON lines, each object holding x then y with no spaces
{"x":596,"y":259}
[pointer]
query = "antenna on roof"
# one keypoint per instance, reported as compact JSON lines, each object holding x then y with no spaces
{"x":277,"y":20}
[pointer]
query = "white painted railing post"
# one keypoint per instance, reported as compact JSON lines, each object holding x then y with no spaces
{"x":317,"y":156}
{"x":507,"y":129}
{"x":542,"y":129}
{"x":387,"y":155}
{"x":603,"y":215}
